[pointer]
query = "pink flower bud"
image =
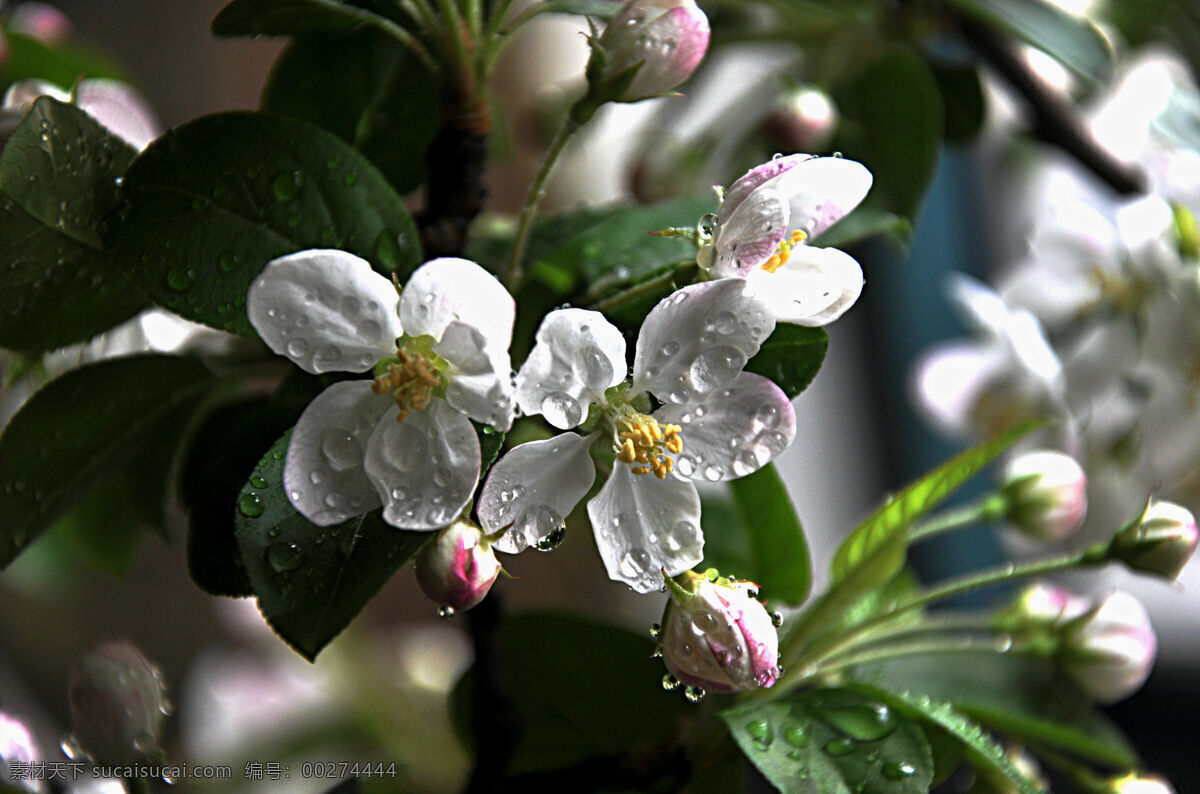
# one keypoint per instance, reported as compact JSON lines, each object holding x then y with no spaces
{"x":1161,"y":542}
{"x":17,"y":749}
{"x":668,"y":37}
{"x":716,"y":637}
{"x":118,"y":702}
{"x":803,"y":119}
{"x":1047,"y":494}
{"x":1139,"y":784}
{"x":40,"y":21}
{"x":1110,"y":649}
{"x":458,"y":568}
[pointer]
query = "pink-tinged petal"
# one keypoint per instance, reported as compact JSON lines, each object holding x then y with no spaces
{"x":323,"y":474}
{"x":814,"y":287}
{"x":644,"y":525}
{"x":40,"y":21}
{"x":121,"y":110}
{"x":534,"y":487}
{"x":821,"y":191}
{"x":752,"y":234}
{"x":755,"y":178}
{"x":425,"y":468}
{"x":479,"y":375}
{"x":326,"y":310}
{"x":578,"y":355}
{"x":667,"y":37}
{"x":448,"y":289}
{"x":735,"y":432}
{"x":458,"y":568}
{"x":697,"y":340}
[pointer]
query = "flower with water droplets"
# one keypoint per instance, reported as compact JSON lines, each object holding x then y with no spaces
{"x":1160,"y":541}
{"x":715,"y":423}
{"x":439,"y":352}
{"x":458,"y":568}
{"x":667,"y":38}
{"x":716,"y":636}
{"x":1046,"y":494}
{"x":118,"y":701}
{"x":761,"y":233}
{"x":115,"y":105}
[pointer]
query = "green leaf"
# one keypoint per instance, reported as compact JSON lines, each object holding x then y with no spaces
{"x":864,"y":222}
{"x":892,"y":123}
{"x":61,"y":64}
{"x":210,"y":203}
{"x":292,"y":17}
{"x":1020,"y":696}
{"x":311,"y":581}
{"x":78,"y":429}
{"x":832,"y":741}
{"x":899,"y":512}
{"x":1075,"y":42}
{"x":983,"y":751}
{"x":780,"y":559}
{"x":491,"y":441}
{"x":57,"y":177}
{"x":567,"y":711}
{"x":368,"y":90}
{"x":962,"y":98}
{"x":791,"y":356}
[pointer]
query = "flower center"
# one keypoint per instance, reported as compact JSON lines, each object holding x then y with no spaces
{"x":784,"y":252}
{"x":410,"y":380}
{"x":645,"y":445}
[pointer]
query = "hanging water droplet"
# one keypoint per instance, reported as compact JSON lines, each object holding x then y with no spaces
{"x":445,"y":611}
{"x":694,"y":694}
{"x":251,"y":505}
{"x":776,"y":619}
{"x":670,"y":682}
{"x":655,"y":631}
{"x":387,"y":250}
{"x":553,"y":540}
{"x":284,"y":556}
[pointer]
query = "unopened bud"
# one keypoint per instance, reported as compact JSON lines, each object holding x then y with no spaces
{"x":17,"y":750}
{"x":716,"y":637}
{"x":1110,"y":649}
{"x":803,"y":119}
{"x":118,"y":702}
{"x":1161,"y":541}
{"x":457,"y":569}
{"x":1139,"y":784}
{"x":667,"y":37}
{"x":1046,"y":493}
{"x":40,"y":21}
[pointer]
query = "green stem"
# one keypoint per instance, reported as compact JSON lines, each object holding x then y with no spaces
{"x":537,"y":190}
{"x":887,"y":633}
{"x":421,"y":12}
{"x":1080,"y":776}
{"x":990,"y":508}
{"x":637,"y":291}
{"x":474,"y":14}
{"x":401,"y":35}
{"x":454,"y":33}
{"x":899,"y":650}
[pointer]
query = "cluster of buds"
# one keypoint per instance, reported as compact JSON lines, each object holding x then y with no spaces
{"x":1045,"y":494}
{"x":1160,"y":541}
{"x":716,"y":637}
{"x":458,"y":568}
{"x":118,"y":702}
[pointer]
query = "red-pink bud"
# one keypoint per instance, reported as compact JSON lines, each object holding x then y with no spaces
{"x":457,"y":569}
{"x":716,"y":637}
{"x":668,"y":37}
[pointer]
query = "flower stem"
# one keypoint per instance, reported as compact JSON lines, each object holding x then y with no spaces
{"x":990,"y":508}
{"x":537,"y":189}
{"x":919,"y":648}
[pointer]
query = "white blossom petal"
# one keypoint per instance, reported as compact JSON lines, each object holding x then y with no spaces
{"x":644,"y":525}
{"x":448,"y":289}
{"x":120,"y":109}
{"x":735,"y":432}
{"x":821,"y":190}
{"x":326,"y":310}
{"x":751,"y":234}
{"x":479,"y":375}
{"x":755,"y":178}
{"x":425,"y":467}
{"x":323,"y":473}
{"x":814,"y":287}
{"x":577,"y":356}
{"x":534,"y":487}
{"x":699,"y":339}
{"x":948,"y":381}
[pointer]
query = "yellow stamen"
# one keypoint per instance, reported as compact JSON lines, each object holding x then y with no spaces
{"x":784,"y":252}
{"x":410,"y":383}
{"x":644,"y":444}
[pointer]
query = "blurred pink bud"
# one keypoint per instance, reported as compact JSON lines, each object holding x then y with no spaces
{"x":115,"y":105}
{"x":457,"y":569}
{"x":118,"y":701}
{"x":1161,"y":542}
{"x":1109,"y":650}
{"x":40,"y":21}
{"x":1046,"y":604}
{"x":716,"y":637}
{"x":668,"y":37}
{"x":17,"y":749}
{"x":803,"y":119}
{"x":1046,"y":493}
{"x":1139,"y":784}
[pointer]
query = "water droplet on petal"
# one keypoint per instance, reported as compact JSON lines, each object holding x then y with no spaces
{"x":592,"y":367}
{"x":409,"y":450}
{"x":341,"y":450}
{"x":561,"y":410}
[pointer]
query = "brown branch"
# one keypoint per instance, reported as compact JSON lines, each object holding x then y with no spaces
{"x":455,"y":190}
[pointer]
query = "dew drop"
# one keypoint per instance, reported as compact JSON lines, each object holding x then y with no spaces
{"x":251,"y":505}
{"x":635,"y":562}
{"x":284,"y":557}
{"x":670,"y":682}
{"x":655,"y":631}
{"x":228,"y":262}
{"x":561,"y":410}
{"x":387,"y":250}
{"x":287,"y":184}
{"x":592,"y":367}
{"x":865,"y":723}
{"x":683,"y":535}
{"x":257,"y":481}
{"x":409,"y":449}
{"x":297,"y":348}
{"x":838,"y":747}
{"x":760,"y":731}
{"x":181,"y":278}
{"x":694,"y":694}
{"x":445,"y":611}
{"x":716,"y":367}
{"x":797,"y":736}
{"x":898,"y":770}
{"x":342,"y":452}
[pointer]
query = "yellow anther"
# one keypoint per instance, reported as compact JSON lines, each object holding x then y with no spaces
{"x":645,"y":444}
{"x":410,"y":383}
{"x":784,"y":252}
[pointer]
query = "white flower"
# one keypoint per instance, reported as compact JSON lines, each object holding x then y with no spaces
{"x":404,"y":439}
{"x":115,"y":105}
{"x":716,"y":423}
{"x":764,"y":220}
